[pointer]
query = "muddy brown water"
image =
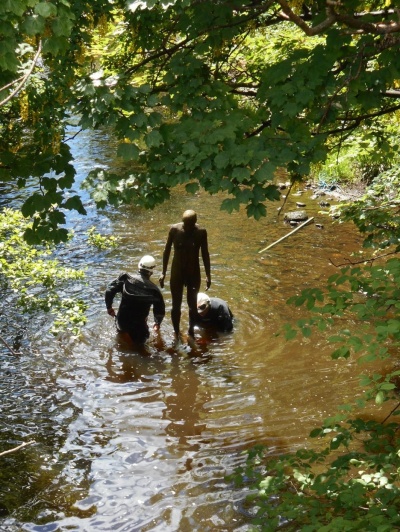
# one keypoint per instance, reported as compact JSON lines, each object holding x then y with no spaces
{"x":134,"y":440}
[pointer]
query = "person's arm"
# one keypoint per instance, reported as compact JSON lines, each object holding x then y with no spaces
{"x":112,"y":289}
{"x":205,"y":255}
{"x":166,"y":254}
{"x":158,"y":310}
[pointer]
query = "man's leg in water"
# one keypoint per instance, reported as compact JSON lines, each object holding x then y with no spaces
{"x":192,"y":291}
{"x":139,"y":332}
{"x":177,"y":294}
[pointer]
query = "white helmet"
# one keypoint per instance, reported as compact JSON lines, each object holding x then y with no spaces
{"x":203,"y":302}
{"x":147,"y":263}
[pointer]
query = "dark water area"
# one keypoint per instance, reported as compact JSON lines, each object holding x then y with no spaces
{"x":140,"y":440}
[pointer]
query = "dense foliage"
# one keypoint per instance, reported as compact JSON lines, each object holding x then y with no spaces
{"x":35,"y":281}
{"x":217,"y":94}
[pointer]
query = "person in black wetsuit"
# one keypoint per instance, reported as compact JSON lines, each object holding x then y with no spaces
{"x":138,"y":295}
{"x":215,"y":312}
{"x":188,"y":239}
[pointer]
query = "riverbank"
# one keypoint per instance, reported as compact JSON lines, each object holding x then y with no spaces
{"x":343,"y":192}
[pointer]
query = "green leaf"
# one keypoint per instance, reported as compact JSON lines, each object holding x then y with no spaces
{"x":240,"y":174}
{"x":33,"y":25}
{"x":154,"y":139}
{"x":387,"y":386}
{"x":128,"y":151}
{"x":380,"y":397}
{"x":192,"y":187}
{"x":14,"y":6}
{"x":265,"y":173}
{"x":55,"y":45}
{"x":342,"y":352}
{"x":190,"y":148}
{"x":230,"y":205}
{"x":315,"y":433}
{"x":291,"y":108}
{"x":244,"y":195}
{"x":35,"y":203}
{"x":75,"y":203}
{"x":222,"y":160}
{"x":46,"y":9}
{"x":290,"y":333}
{"x":335,"y":338}
{"x":256,"y":210}
{"x":62,"y":26}
{"x":272,"y":193}
{"x":8,"y":61}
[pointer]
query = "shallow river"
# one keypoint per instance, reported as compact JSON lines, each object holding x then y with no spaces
{"x":134,"y":441}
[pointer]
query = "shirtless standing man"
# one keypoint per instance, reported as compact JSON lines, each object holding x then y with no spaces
{"x":188,"y":239}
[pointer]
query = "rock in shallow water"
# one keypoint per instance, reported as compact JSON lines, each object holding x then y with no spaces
{"x":295,"y":216}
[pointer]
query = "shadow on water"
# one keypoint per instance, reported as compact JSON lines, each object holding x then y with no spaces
{"x":137,"y":439}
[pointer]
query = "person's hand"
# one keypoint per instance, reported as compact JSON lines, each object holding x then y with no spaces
{"x":156,"y":327}
{"x":208,"y":283}
{"x":111,"y":312}
{"x":161,"y":280}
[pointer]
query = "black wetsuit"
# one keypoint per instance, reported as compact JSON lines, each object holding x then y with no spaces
{"x":219,"y":316}
{"x":138,"y":295}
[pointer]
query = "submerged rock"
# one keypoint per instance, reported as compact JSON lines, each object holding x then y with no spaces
{"x":296,"y":216}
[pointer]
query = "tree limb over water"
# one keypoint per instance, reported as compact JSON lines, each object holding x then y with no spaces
{"x":15,"y":353}
{"x":220,"y":95}
{"x":359,"y":22}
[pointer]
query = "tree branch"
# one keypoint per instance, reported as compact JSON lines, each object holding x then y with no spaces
{"x":364,"y":261}
{"x":354,"y":21}
{"x":356,"y":121}
{"x":24,"y":79}
{"x":9,"y":348}
{"x":288,"y":14}
{"x":390,"y":413}
{"x":393,"y":93}
{"x":253,"y":16}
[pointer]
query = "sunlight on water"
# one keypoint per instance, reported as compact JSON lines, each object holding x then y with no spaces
{"x":143,"y":439}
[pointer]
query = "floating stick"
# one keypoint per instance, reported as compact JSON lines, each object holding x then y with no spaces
{"x":291,"y":233}
{"x":17,"y":448}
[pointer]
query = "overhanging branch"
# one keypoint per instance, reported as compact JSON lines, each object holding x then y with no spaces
{"x":355,"y":21}
{"x":24,"y":79}
{"x":356,"y":121}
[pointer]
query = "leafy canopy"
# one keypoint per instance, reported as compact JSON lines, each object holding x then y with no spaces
{"x":212,"y":94}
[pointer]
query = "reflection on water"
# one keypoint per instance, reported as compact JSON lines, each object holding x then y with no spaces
{"x":135,"y":438}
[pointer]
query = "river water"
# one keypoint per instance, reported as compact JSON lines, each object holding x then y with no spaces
{"x":134,"y":440}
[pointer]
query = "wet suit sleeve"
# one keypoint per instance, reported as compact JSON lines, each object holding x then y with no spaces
{"x":114,"y":288}
{"x":158,"y":308}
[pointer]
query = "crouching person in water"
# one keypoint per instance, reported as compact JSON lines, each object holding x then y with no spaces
{"x":215,"y":312}
{"x":138,"y":295}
